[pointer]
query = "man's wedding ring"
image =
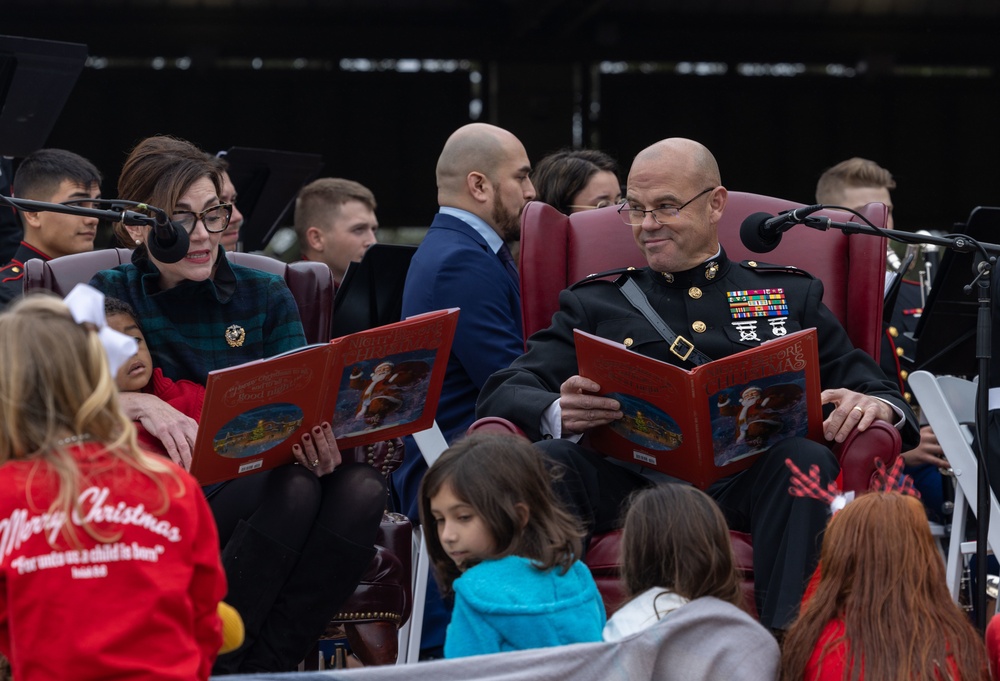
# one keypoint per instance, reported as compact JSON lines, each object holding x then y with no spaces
{"x":859,"y":409}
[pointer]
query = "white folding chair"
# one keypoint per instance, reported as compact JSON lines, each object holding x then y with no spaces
{"x":949,"y":404}
{"x":431,"y":443}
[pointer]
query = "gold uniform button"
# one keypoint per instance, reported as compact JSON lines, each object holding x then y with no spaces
{"x":15,"y":270}
{"x":695,"y":292}
{"x":908,"y":397}
{"x":698,"y":327}
{"x":899,"y":352}
{"x":893,"y":331}
{"x":904,"y":374}
{"x":628,"y":342}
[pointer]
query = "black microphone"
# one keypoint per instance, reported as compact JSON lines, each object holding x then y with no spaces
{"x":167,"y":241}
{"x":761,"y":232}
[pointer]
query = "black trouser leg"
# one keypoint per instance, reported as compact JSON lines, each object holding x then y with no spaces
{"x":591,"y":488}
{"x":786,"y":530}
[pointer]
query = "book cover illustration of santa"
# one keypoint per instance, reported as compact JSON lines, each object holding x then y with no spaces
{"x":751,"y":418}
{"x":383,"y":393}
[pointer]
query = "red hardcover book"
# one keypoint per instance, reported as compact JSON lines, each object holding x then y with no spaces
{"x":709,"y":422}
{"x":371,"y":386}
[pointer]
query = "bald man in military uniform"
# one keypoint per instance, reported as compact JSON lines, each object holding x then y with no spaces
{"x":674,"y":201}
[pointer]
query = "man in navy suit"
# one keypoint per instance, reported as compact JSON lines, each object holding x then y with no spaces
{"x":483,"y":184}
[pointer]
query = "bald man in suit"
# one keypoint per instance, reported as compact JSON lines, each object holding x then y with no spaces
{"x":483,"y":184}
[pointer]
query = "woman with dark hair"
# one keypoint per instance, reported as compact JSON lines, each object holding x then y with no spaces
{"x":881,"y":608}
{"x":572,"y":180}
{"x":297,"y":539}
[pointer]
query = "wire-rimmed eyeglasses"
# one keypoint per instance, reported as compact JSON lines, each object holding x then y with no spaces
{"x":636,"y":216}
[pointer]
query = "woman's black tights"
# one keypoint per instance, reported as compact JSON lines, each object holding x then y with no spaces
{"x":285,"y":502}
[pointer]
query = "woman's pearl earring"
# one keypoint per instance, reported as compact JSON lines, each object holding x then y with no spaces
{"x":138,"y":242}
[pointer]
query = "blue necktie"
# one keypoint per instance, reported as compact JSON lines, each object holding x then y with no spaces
{"x":508,"y":264}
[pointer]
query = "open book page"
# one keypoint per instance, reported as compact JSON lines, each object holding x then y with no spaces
{"x":371,"y":386}
{"x":709,"y":422}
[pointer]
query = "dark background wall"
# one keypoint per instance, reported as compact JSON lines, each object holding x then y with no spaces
{"x":922,"y":102}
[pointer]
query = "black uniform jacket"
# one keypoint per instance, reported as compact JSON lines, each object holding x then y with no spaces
{"x":12,"y":274}
{"x":697,"y":305}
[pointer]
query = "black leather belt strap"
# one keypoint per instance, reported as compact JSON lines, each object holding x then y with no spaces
{"x":679,"y":345}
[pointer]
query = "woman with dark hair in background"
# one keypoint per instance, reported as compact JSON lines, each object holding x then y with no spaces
{"x":572,"y":180}
{"x":296,"y":539}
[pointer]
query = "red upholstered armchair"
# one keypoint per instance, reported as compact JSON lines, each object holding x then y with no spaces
{"x":559,"y":250}
{"x":383,"y":599}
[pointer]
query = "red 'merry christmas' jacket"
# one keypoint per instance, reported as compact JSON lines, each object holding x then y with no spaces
{"x":140,"y":605}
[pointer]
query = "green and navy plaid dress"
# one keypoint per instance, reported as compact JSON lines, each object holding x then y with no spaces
{"x":239,"y":315}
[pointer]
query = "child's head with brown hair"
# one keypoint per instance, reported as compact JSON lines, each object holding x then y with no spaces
{"x":881,"y":573}
{"x":136,"y":373}
{"x":56,"y":389}
{"x":490,"y":496}
{"x":676,"y":538}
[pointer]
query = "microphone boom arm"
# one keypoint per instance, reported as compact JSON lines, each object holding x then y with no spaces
{"x":117,"y":213}
{"x":956,"y":242}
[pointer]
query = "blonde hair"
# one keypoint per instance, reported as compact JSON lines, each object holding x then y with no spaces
{"x":55,"y":383}
{"x":854,"y":172}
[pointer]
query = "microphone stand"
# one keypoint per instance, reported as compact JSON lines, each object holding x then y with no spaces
{"x":983,"y":271}
{"x":168,"y":242}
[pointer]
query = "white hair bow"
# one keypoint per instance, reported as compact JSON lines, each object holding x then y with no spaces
{"x":86,"y":304}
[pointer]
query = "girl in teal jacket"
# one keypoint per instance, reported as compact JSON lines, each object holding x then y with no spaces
{"x":505,"y":550}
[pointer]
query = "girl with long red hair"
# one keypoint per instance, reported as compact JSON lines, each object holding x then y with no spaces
{"x":881,"y":608}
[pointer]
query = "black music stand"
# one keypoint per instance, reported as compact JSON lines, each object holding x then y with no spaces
{"x":947,"y":328}
{"x":36,"y":78}
{"x":372,"y":291}
{"x":957,"y":329}
{"x":267,"y":181}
